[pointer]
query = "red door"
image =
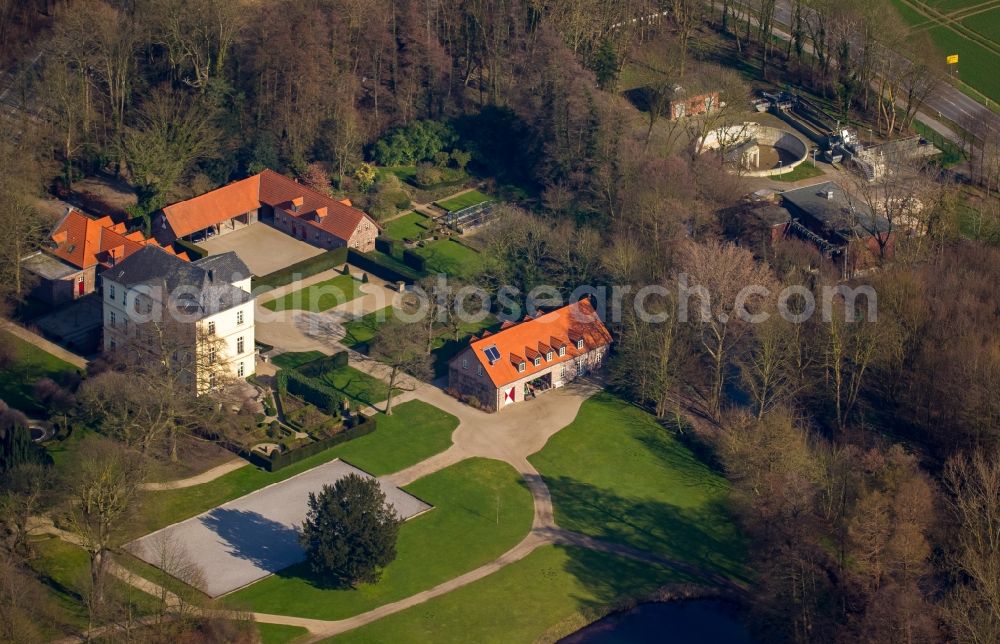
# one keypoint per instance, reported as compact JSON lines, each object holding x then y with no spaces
{"x":79,"y":286}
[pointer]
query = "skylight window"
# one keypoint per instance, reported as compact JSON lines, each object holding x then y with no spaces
{"x":492,"y":353}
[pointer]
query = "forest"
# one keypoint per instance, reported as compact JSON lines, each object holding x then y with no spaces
{"x":863,"y":453}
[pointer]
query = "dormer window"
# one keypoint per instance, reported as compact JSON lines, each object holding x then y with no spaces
{"x":562,"y":350}
{"x":521,"y":367}
{"x":579,"y":344}
{"x":538,"y":360}
{"x":548,"y":356}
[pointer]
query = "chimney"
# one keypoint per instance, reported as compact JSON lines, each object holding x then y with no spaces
{"x":211,"y":275}
{"x":829,"y":194}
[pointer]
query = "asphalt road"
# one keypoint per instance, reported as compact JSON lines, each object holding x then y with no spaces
{"x":947,"y":101}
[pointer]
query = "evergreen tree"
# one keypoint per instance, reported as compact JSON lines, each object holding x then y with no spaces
{"x":350,"y":532}
{"x":605,"y":65}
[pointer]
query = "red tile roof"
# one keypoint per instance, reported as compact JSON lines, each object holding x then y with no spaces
{"x":214,"y":207}
{"x":84,"y":242}
{"x":534,"y":337}
{"x":317,"y":209}
{"x":268,"y":188}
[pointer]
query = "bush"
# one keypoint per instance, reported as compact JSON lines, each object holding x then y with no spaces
{"x":305,"y":268}
{"x":413,"y":260}
{"x":414,"y":142}
{"x":428,"y":175}
{"x":315,"y":393}
{"x":378,"y":269}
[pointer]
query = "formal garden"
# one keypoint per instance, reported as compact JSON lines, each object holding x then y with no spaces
{"x":414,"y":432}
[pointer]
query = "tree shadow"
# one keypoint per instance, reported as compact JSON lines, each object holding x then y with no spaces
{"x":269,"y":545}
{"x":700,"y":536}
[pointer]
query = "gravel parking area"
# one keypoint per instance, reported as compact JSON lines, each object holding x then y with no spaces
{"x":262,"y":248}
{"x":253,"y":536}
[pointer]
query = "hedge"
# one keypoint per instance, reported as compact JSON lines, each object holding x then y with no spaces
{"x":315,"y":393}
{"x":386,"y":245}
{"x":378,"y":269}
{"x":414,"y":260}
{"x":194,"y":251}
{"x":279,"y":460}
{"x":305,"y":268}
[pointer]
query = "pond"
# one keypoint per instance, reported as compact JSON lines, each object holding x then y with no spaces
{"x":680,"y":622}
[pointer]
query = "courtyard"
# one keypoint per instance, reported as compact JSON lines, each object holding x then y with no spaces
{"x":262,"y":248}
{"x":249,"y":538}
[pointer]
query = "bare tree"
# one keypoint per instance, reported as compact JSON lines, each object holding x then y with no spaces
{"x":103,"y":484}
{"x":718,"y":275}
{"x":973,"y":484}
{"x":403,"y":352}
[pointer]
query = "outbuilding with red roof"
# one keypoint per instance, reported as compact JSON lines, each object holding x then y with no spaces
{"x":290,"y":206}
{"x":525,"y":358}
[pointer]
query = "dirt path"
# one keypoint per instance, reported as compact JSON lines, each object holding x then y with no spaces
{"x":205,"y":477}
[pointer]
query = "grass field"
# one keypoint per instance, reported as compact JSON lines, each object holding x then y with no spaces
{"x":294,"y":359}
{"x":451,"y":257}
{"x":978,"y":62}
{"x":28,"y":365}
{"x":805,"y":170}
{"x":279,"y":633}
{"x":65,"y":571}
{"x":548,"y":594}
{"x":471,"y":198}
{"x":363,"y":329}
{"x":617,"y":474}
{"x":408,"y":226}
{"x":481,"y":509}
{"x":356,"y":385}
{"x":414,"y":432}
{"x":319,"y":297}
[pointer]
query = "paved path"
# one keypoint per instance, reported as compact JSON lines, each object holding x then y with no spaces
{"x":49,"y":347}
{"x":205,"y":477}
{"x":510,"y":436}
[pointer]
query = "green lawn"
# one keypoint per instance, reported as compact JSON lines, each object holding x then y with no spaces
{"x":65,"y":571}
{"x":279,"y":633}
{"x":805,"y":170}
{"x":295,"y":359}
{"x":548,"y":594}
{"x":319,"y":297}
{"x":481,"y":509}
{"x":356,"y":385}
{"x":408,"y":226}
{"x":617,"y":474}
{"x":363,"y":329}
{"x":29,"y":364}
{"x":471,"y":198}
{"x":427,"y":431}
{"x":451,"y":257}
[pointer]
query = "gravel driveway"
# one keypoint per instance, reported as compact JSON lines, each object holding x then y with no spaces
{"x":253,"y":536}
